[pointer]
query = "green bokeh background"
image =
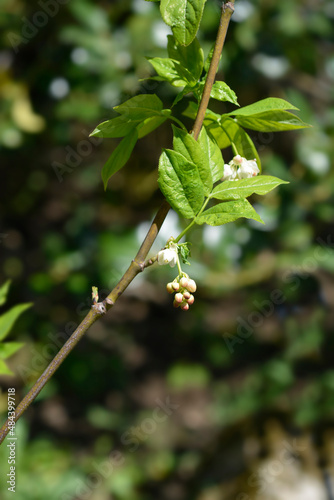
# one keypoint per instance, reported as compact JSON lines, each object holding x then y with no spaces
{"x":253,"y":358}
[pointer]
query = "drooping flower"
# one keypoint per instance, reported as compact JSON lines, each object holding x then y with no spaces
{"x":240,"y":168}
{"x":248,"y":168}
{"x":167,"y":256}
{"x":230,"y":172}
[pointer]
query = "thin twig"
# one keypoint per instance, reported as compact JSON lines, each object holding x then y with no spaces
{"x":138,"y":264}
{"x":227,"y":11}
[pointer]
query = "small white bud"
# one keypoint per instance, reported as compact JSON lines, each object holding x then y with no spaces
{"x":192,"y":287}
{"x":167,"y":256}
{"x":191,"y":300}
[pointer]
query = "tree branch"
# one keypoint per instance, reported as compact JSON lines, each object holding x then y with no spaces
{"x":138,"y":264}
{"x":227,"y":11}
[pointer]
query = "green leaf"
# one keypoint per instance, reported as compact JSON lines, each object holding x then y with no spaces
{"x":4,"y":370}
{"x":116,"y":127}
{"x":141,"y":107}
{"x":272,"y":121}
{"x":119,"y":156}
{"x":184,"y":251}
{"x":184,"y":17}
{"x":222,"y":92}
{"x":235,"y":190}
{"x":4,"y":292}
{"x":8,"y":319}
{"x":190,"y":57}
{"x":186,"y":145}
{"x":240,"y":138}
{"x":7,"y":349}
{"x":150,"y":124}
{"x":173,"y":72}
{"x":213,"y":153}
{"x":180,"y":183}
{"x":228,"y":212}
{"x":269,"y":104}
{"x":133,"y":112}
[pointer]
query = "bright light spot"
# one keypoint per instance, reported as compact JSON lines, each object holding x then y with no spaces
{"x":123,"y":59}
{"x":110,"y":96}
{"x":212,"y":236}
{"x":269,"y":217}
{"x":140,"y":7}
{"x":329,"y":67}
{"x":270,"y":66}
{"x":318,"y":162}
{"x":59,"y":88}
{"x":11,"y":138}
{"x":6,"y":59}
{"x":243,"y":10}
{"x":79,"y":56}
{"x":141,"y":231}
{"x":160,"y":30}
{"x":242,"y":235}
{"x":170,"y":227}
{"x":233,"y":252}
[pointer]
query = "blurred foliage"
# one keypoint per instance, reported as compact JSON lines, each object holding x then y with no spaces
{"x":7,"y":321}
{"x":257,"y":346}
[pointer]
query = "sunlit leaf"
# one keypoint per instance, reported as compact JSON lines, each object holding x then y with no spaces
{"x":4,"y":370}
{"x":173,"y":72}
{"x":4,"y":292}
{"x":7,"y":349}
{"x":213,"y":153}
{"x":180,"y":183}
{"x":222,"y":92}
{"x":184,"y":17}
{"x":228,"y":212}
{"x":140,"y":107}
{"x":272,"y":121}
{"x":116,"y":127}
{"x":235,"y":190}
{"x":150,"y":124}
{"x":269,"y":104}
{"x":185,"y":144}
{"x":8,"y":319}
{"x":119,"y":156}
{"x":190,"y":57}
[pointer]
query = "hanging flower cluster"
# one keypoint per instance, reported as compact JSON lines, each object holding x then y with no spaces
{"x":182,"y":285}
{"x":240,"y":168}
{"x":183,"y":288}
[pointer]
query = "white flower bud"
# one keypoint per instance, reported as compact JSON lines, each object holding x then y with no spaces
{"x":167,"y":256}
{"x":185,"y":307}
{"x":178,"y":297}
{"x":184,"y":282}
{"x":191,"y":300}
{"x":170,"y":288}
{"x":192,"y":287}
